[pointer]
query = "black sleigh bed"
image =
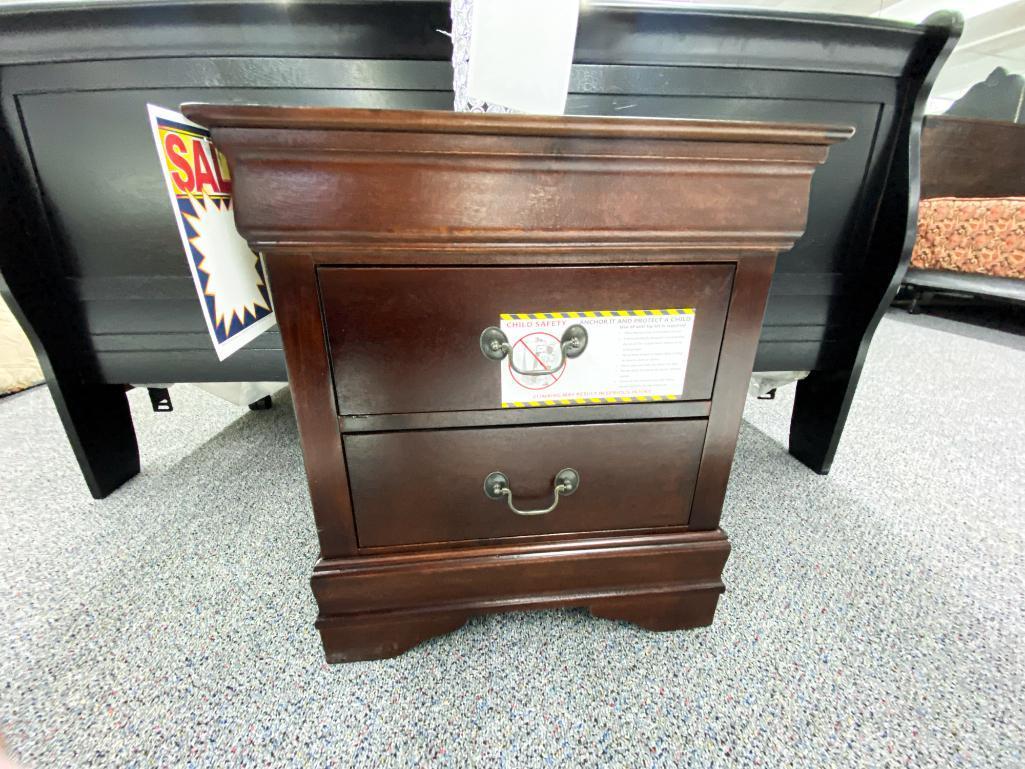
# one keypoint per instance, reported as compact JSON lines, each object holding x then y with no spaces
{"x":92,"y":265}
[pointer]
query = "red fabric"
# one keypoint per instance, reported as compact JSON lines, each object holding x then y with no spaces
{"x":977,"y":235}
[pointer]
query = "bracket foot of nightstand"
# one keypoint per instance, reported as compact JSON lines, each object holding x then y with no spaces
{"x":378,"y":606}
{"x":380,"y":636}
{"x":376,"y":637}
{"x":662,"y":611}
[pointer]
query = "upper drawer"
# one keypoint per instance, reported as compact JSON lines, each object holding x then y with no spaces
{"x":406,"y":340}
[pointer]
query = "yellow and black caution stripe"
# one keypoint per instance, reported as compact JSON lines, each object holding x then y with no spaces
{"x":590,"y":401}
{"x":592,"y":314}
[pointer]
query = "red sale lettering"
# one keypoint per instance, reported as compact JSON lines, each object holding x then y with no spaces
{"x":182,"y":176}
{"x":204,"y":173}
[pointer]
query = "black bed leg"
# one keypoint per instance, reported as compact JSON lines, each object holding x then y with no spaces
{"x":821,"y":404}
{"x":99,"y":426}
{"x":263,"y":404}
{"x":33,"y":283}
{"x":916,"y":296}
{"x":919,"y":298}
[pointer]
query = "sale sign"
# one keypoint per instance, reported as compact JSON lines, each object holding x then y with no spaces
{"x":228,"y":276}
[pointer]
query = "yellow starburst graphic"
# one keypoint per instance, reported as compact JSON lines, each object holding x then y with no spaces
{"x":233,"y":281}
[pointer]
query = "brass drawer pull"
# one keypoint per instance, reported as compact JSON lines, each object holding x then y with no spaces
{"x":496,"y":486}
{"x":495,"y":346}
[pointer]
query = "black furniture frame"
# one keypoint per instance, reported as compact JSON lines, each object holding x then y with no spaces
{"x":90,"y":257}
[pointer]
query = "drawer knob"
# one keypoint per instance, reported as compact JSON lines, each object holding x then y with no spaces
{"x":497,"y":486}
{"x":495,"y":346}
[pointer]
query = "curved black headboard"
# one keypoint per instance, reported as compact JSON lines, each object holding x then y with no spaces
{"x":98,"y":238}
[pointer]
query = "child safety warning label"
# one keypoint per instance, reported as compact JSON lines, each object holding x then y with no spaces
{"x":595,"y":356}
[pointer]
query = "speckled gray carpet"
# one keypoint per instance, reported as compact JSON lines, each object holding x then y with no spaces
{"x":873,"y":618}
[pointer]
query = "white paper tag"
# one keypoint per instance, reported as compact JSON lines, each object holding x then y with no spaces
{"x":521,"y":52}
{"x":630,"y":356}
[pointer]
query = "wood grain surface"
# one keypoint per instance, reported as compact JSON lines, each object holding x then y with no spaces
{"x":407,"y":340}
{"x":426,"y":486}
{"x":394,"y":238}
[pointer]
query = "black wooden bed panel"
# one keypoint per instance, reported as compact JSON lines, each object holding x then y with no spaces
{"x":90,"y":256}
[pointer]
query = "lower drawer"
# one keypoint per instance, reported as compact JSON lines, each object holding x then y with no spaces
{"x":429,"y":486}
